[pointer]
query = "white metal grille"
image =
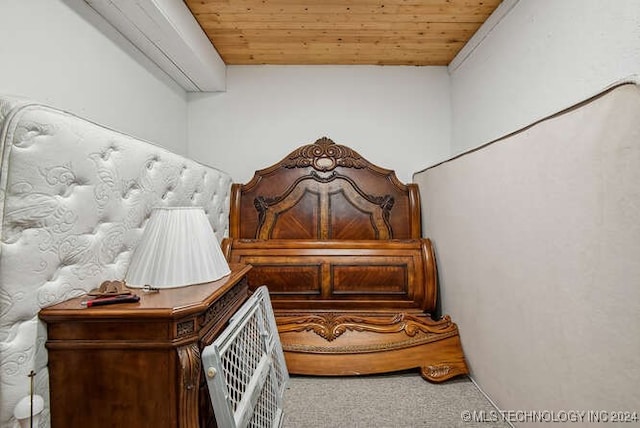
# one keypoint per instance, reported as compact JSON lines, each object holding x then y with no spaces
{"x":246,"y":371}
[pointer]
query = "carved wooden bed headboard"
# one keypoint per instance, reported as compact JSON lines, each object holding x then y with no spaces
{"x":325,"y":191}
{"x":337,"y":240}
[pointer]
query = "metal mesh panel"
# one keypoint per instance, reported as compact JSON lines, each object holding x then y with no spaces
{"x":241,"y":359}
{"x":246,"y":371}
{"x":267,"y":406}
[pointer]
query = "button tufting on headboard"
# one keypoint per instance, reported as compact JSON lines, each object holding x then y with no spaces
{"x":74,"y":199}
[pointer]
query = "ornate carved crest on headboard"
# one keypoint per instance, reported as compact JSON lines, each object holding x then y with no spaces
{"x":324,"y":155}
{"x":324,"y":203}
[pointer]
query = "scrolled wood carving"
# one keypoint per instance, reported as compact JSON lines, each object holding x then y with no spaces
{"x":437,"y":371}
{"x":443,"y":371}
{"x":219,"y":308}
{"x":324,"y":155}
{"x":189,"y":357}
{"x":331,"y":325}
{"x":385,"y":203}
{"x":185,"y":328}
{"x":189,"y":374}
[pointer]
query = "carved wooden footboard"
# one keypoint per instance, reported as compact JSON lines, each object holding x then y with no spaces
{"x":337,"y":240}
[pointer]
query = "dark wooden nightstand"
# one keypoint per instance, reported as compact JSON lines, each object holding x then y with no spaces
{"x":138,"y":364}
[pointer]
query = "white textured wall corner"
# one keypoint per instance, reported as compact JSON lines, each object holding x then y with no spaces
{"x":62,"y":53}
{"x":538,"y":242}
{"x":397,"y":117}
{"x":541,"y":57}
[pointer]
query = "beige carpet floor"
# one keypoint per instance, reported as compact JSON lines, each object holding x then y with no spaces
{"x":383,"y":401}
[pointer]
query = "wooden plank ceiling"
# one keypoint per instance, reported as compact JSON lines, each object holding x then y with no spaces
{"x":384,"y":32}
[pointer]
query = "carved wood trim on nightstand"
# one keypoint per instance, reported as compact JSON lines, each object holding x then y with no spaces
{"x":189,"y":374}
{"x":221,"y":309}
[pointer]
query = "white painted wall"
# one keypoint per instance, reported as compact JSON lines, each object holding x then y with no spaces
{"x":62,"y":53}
{"x":396,"y":117}
{"x":542,"y":57}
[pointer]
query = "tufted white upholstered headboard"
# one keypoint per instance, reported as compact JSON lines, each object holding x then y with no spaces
{"x":74,"y":199}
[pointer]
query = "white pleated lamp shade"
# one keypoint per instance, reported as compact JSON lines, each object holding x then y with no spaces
{"x":178,"y":248}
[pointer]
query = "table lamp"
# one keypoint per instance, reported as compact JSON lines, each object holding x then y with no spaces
{"x":178,"y":248}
